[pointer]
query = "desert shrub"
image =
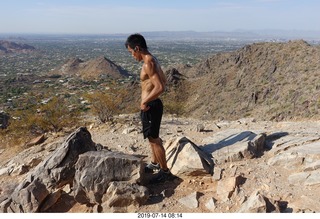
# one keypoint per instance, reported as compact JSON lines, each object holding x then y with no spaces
{"x":32,"y":120}
{"x":55,"y":115}
{"x":106,"y":104}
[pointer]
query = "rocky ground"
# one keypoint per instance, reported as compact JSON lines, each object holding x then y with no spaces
{"x":285,"y":175}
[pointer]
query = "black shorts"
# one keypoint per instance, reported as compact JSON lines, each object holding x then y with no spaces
{"x":151,"y":119}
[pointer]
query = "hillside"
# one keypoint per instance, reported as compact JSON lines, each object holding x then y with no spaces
{"x":93,"y":69}
{"x":264,"y":80}
{"x":12,"y":47}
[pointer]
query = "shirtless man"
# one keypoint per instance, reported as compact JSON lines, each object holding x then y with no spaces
{"x":152,"y":85}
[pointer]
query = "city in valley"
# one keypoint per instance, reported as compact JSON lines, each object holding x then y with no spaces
{"x":52,"y":51}
{"x":25,"y":72}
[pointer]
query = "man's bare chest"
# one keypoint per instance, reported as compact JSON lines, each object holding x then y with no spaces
{"x":143,"y":76}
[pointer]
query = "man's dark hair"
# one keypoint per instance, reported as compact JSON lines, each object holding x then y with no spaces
{"x":136,"y":40}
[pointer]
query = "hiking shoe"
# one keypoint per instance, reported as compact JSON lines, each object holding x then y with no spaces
{"x":151,"y":167}
{"x":162,"y":176}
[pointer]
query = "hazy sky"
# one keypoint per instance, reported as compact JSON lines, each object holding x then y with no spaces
{"x":127,"y":16}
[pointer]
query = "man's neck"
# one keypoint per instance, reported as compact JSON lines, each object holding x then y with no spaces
{"x":145,"y":54}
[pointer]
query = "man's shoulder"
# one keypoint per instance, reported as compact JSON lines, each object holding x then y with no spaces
{"x":150,"y":62}
{"x":150,"y":59}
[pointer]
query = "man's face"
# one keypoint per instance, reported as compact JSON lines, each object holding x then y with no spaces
{"x":135,"y":53}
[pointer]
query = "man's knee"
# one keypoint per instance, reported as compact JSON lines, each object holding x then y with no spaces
{"x":152,"y":140}
{"x":155,"y":140}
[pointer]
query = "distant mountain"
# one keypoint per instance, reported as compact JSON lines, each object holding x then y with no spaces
{"x":263,"y":80}
{"x":93,"y":69}
{"x":12,"y":47}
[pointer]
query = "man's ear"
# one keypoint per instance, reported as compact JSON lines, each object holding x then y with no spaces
{"x":136,"y":48}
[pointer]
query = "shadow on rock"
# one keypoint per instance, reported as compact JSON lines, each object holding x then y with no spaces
{"x":64,"y":204}
{"x":160,"y":191}
{"x":230,"y":140}
{"x":270,"y":139}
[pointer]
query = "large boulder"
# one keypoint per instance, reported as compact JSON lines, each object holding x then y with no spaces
{"x":96,"y":170}
{"x":186,"y":158}
{"x":49,"y":176}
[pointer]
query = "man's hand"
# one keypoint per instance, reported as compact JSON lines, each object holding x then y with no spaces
{"x":144,"y":107}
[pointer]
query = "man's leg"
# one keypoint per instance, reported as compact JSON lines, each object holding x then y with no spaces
{"x":159,"y":154}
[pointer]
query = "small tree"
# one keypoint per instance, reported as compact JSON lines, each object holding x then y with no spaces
{"x":55,"y":115}
{"x":107,"y":104}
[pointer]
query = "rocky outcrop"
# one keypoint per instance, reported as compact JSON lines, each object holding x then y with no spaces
{"x":235,"y":145}
{"x":173,"y":76}
{"x":108,"y":179}
{"x":50,"y":175}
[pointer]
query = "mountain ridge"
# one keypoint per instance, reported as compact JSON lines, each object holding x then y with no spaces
{"x":93,"y":69}
{"x":269,"y":80}
{"x":12,"y":47}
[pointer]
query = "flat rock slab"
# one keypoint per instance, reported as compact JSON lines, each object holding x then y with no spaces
{"x":227,"y":145}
